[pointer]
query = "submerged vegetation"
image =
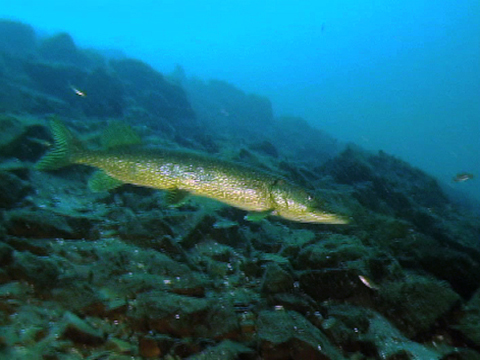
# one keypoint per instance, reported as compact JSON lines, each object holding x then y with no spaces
{"x":121,"y":274}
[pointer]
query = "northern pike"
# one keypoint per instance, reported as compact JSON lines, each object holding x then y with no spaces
{"x":183,"y":172}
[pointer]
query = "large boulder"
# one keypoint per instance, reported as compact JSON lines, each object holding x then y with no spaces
{"x":16,"y":38}
{"x":148,"y":88}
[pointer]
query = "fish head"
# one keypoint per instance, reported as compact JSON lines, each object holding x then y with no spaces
{"x":294,"y":203}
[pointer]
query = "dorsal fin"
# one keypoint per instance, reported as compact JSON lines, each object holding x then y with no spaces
{"x":118,"y":134}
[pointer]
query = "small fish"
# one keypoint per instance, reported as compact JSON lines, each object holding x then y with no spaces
{"x":462,"y":177}
{"x":77,"y":91}
{"x":44,"y":143}
{"x":225,"y":224}
{"x":224,"y":112}
{"x":368,"y":282}
{"x":233,"y":184}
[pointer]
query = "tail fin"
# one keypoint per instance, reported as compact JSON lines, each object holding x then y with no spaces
{"x":65,"y":146}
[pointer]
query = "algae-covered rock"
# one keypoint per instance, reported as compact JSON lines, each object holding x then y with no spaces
{"x":226,"y":350}
{"x":10,"y":129}
{"x":449,"y":261}
{"x":47,"y":224}
{"x":469,"y":323}
{"x":336,"y":283}
{"x":392,"y":344}
{"x":276,"y":280}
{"x":142,"y":228}
{"x":27,"y":143}
{"x":169,"y":313}
{"x":285,"y":335}
{"x":40,"y":271}
{"x":344,"y":324}
{"x":416,"y":303}
{"x":80,"y":331}
{"x":6,"y":253}
{"x":334,"y":251}
{"x":12,"y":189}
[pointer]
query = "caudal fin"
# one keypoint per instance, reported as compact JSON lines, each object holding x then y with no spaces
{"x":64,"y":147}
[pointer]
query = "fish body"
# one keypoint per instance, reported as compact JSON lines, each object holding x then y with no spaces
{"x":77,"y":91}
{"x":462,"y":177}
{"x":234,"y":184}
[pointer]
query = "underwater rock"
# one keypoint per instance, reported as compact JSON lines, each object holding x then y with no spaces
{"x":11,"y":128}
{"x":141,"y":229}
{"x":469,"y":323}
{"x":12,"y":189}
{"x":119,"y":346}
{"x":27,"y":145}
{"x":344,"y":324}
{"x":40,"y":271}
{"x":56,"y":79}
{"x":276,"y":280}
{"x":50,"y":91}
{"x":202,"y":226}
{"x":265,"y":147}
{"x":222,"y":322}
{"x":227,"y":111}
{"x":384,"y":178}
{"x":168,"y":245}
{"x":123,"y":270}
{"x":302,"y":143}
{"x":190,"y":285}
{"x":296,"y":301}
{"x":416,"y":303}
{"x":177,"y":315}
{"x":79,"y":331}
{"x":39,"y":223}
{"x":148,"y":88}
{"x":61,"y":48}
{"x":148,"y":347}
{"x":225,"y":350}
{"x":79,"y":297}
{"x":350,"y":167}
{"x":25,"y":244}
{"x":336,"y":283}
{"x":216,"y":251}
{"x":6,"y":252}
{"x":334,"y":251}
{"x":183,"y":316}
{"x":391,"y":344}
{"x":105,"y":95}
{"x":17,"y":38}
{"x":449,"y":260}
{"x":285,"y":335}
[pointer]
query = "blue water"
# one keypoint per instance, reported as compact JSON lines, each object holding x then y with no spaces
{"x":399,"y":76}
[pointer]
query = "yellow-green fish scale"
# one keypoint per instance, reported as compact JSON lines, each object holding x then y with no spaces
{"x":233,"y":184}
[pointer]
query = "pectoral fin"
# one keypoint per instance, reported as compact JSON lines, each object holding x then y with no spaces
{"x":177,"y":197}
{"x":258,"y":215}
{"x":100,"y":181}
